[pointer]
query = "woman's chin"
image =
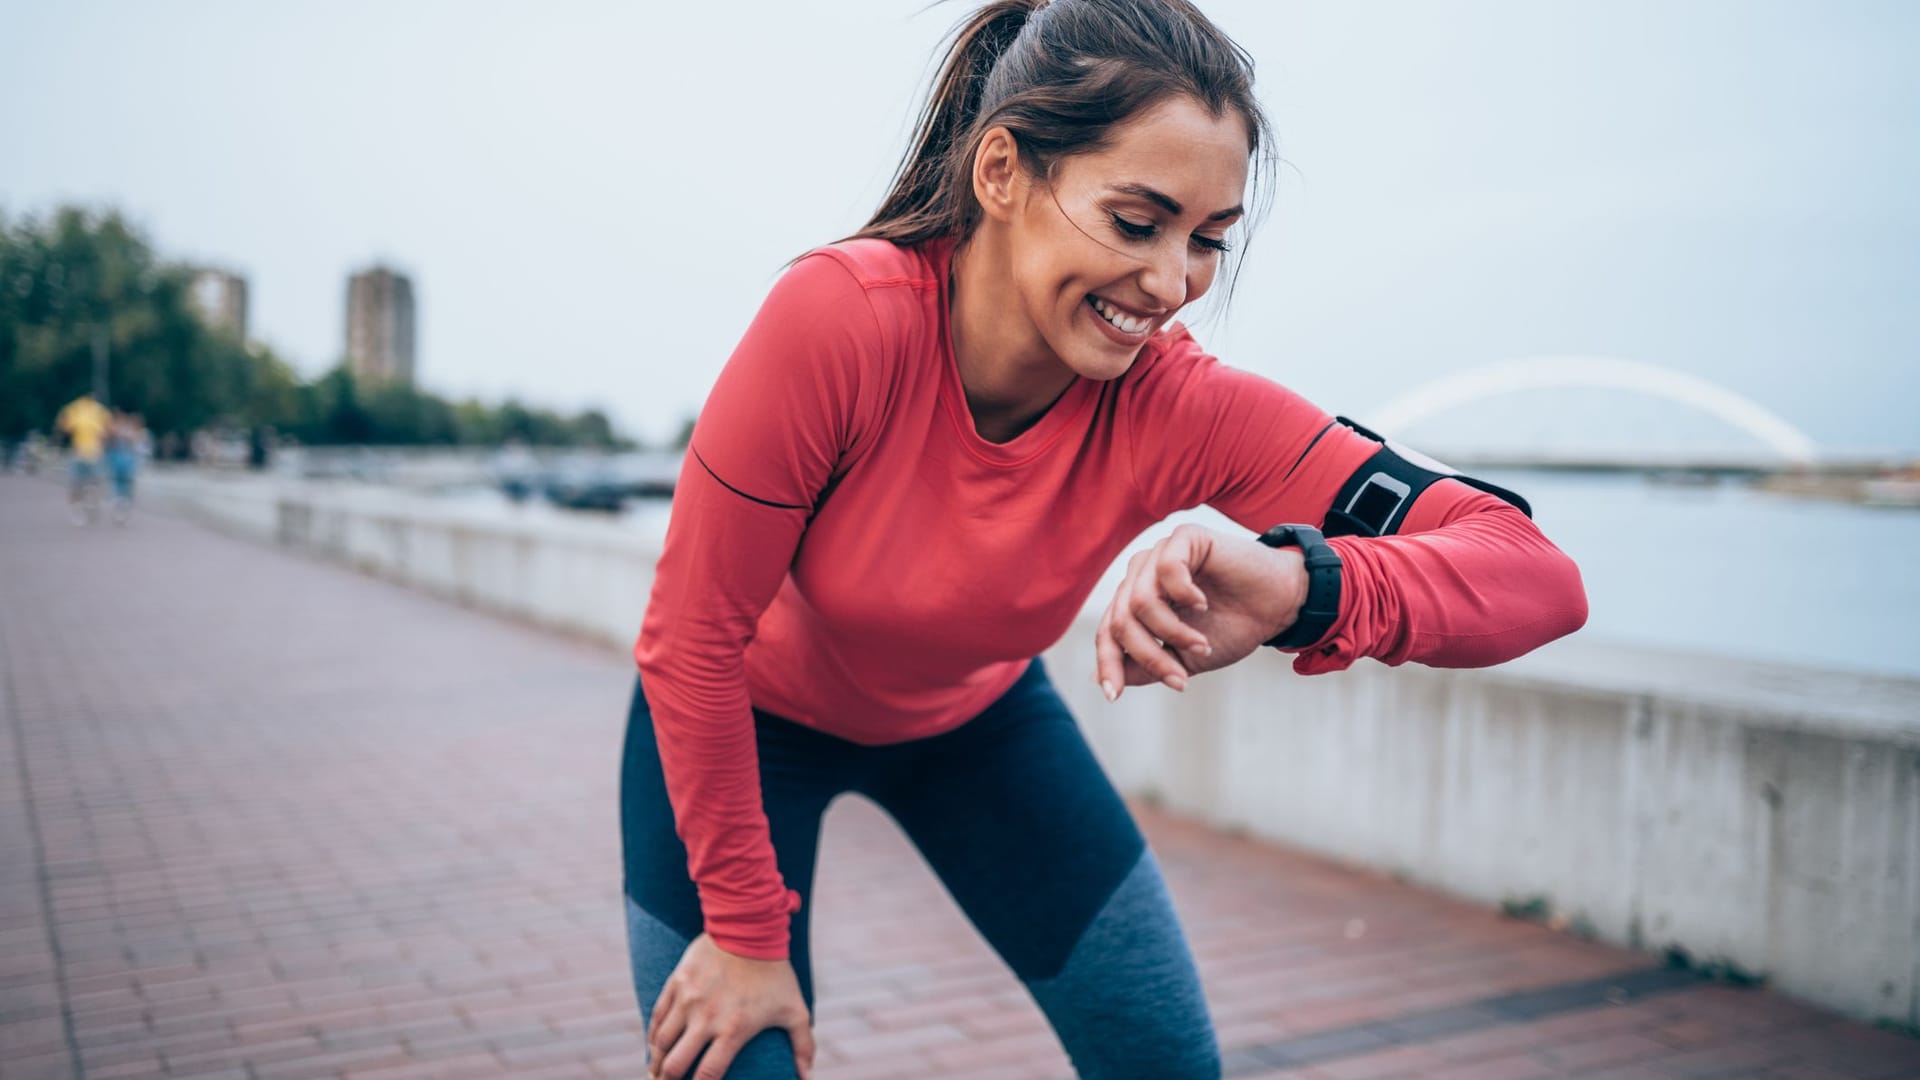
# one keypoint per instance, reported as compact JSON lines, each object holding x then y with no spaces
{"x":1104,"y":365}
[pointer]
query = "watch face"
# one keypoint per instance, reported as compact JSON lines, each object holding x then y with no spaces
{"x":1278,"y":536}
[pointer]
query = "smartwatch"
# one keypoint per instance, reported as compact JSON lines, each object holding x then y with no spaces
{"x":1322,"y":605}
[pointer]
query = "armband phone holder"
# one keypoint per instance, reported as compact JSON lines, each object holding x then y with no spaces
{"x":1375,"y":499}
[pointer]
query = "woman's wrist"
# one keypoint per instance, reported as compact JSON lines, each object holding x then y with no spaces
{"x":1288,"y":591}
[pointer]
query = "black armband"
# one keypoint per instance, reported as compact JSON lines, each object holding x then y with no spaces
{"x":1375,"y":499}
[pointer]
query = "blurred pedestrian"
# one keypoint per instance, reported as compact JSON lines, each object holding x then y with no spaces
{"x":124,"y":438}
{"x":259,"y":447}
{"x":84,"y":423}
{"x":930,"y":444}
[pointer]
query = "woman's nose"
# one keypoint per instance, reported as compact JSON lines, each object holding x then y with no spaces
{"x":1164,"y":278}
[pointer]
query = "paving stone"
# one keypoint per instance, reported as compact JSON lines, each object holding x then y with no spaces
{"x":280,"y":820}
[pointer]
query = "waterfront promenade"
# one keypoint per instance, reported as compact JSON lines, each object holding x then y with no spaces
{"x":265,"y":818}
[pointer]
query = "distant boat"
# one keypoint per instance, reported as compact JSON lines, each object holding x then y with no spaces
{"x":1891,"y":492}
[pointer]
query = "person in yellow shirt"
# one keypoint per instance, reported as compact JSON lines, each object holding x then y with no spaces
{"x":84,"y":422}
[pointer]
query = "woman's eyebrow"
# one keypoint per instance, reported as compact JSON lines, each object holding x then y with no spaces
{"x":1167,"y":203}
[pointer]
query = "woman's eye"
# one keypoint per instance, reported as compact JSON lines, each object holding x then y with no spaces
{"x":1135,"y":230}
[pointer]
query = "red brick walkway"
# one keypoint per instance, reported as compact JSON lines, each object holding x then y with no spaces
{"x":264,"y":819}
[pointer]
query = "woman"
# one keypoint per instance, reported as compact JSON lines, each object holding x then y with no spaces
{"x":931,"y":442}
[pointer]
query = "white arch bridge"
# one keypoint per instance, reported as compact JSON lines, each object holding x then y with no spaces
{"x":1786,"y":445}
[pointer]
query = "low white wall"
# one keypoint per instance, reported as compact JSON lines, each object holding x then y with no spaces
{"x":568,"y":572}
{"x":1760,"y":816}
{"x":1780,"y":835}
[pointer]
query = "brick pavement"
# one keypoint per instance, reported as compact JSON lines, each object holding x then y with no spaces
{"x":264,"y":819}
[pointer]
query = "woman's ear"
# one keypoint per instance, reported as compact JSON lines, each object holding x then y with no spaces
{"x":996,"y":174}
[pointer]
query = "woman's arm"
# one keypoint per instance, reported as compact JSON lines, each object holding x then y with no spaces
{"x":1468,"y":581}
{"x":779,"y":421}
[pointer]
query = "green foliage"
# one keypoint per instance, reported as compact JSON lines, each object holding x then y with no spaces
{"x":1716,"y":968}
{"x":1529,"y":908}
{"x":685,"y":437}
{"x":77,"y":274}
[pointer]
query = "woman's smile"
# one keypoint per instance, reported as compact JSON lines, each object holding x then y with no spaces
{"x":1129,"y":331}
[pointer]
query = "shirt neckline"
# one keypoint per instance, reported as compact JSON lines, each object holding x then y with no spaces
{"x":1040,"y":435}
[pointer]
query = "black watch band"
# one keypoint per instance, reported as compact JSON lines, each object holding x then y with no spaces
{"x":1322,"y":605}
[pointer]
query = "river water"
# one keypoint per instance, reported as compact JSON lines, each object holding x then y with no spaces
{"x":1734,"y":570}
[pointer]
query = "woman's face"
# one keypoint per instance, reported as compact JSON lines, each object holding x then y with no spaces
{"x":1126,"y":236}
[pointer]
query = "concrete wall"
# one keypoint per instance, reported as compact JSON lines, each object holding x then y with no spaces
{"x":1744,"y":833}
{"x":574,"y":573}
{"x":1759,"y":816}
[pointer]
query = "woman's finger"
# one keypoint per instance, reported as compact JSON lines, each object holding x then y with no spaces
{"x":680,"y":1059}
{"x":672,"y":1034}
{"x":1135,"y":675}
{"x":1148,"y":604}
{"x":1148,"y":601}
{"x":719,"y":1057}
{"x":1108,"y":661}
{"x":1147,"y":651}
{"x":1185,"y":549}
{"x":662,"y":1011}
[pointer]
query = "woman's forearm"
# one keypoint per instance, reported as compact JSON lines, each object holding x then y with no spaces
{"x":1470,"y":581}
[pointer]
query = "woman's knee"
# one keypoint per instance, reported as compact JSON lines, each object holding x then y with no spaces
{"x":654,"y":949}
{"x":766,"y":1056}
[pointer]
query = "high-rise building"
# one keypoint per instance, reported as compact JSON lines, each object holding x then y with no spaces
{"x":380,"y":326}
{"x":221,"y":299}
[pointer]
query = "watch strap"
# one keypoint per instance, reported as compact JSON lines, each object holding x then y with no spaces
{"x":1322,"y":604}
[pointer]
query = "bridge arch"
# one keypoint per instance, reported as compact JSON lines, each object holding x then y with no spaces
{"x":1599,"y":372}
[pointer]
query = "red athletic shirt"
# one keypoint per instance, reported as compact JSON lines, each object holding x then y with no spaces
{"x":846,"y":551}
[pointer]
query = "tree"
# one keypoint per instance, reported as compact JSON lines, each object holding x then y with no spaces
{"x":685,"y":436}
{"x":80,"y":275}
{"x":272,"y":396}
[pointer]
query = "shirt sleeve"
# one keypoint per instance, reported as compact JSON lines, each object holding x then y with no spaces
{"x":1469,"y":581}
{"x":783,"y":415}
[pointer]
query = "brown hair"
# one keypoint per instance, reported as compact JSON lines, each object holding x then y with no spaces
{"x":1058,"y":75}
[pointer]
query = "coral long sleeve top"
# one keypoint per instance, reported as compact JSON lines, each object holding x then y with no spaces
{"x":847,"y":552}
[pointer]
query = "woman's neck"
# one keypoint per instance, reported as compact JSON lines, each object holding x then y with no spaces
{"x":1010,"y":375}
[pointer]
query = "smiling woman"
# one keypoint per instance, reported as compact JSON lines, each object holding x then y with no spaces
{"x":931,"y":442}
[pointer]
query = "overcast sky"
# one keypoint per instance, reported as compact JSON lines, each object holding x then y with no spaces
{"x":592,"y":199}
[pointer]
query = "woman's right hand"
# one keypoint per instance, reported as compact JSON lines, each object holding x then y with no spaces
{"x":716,"y":997}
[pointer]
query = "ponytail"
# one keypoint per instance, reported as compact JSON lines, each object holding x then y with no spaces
{"x":1059,"y":75}
{"x":922,"y":203}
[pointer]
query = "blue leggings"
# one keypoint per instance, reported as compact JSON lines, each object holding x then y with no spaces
{"x":1014,"y":814}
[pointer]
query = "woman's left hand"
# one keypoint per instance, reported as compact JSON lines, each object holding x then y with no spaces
{"x":1196,"y":601}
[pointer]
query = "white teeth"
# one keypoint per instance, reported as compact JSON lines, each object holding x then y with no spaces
{"x":1126,"y":324}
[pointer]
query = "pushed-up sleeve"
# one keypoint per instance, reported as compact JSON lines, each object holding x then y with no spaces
{"x":784,"y":414}
{"x":1468,"y":581}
